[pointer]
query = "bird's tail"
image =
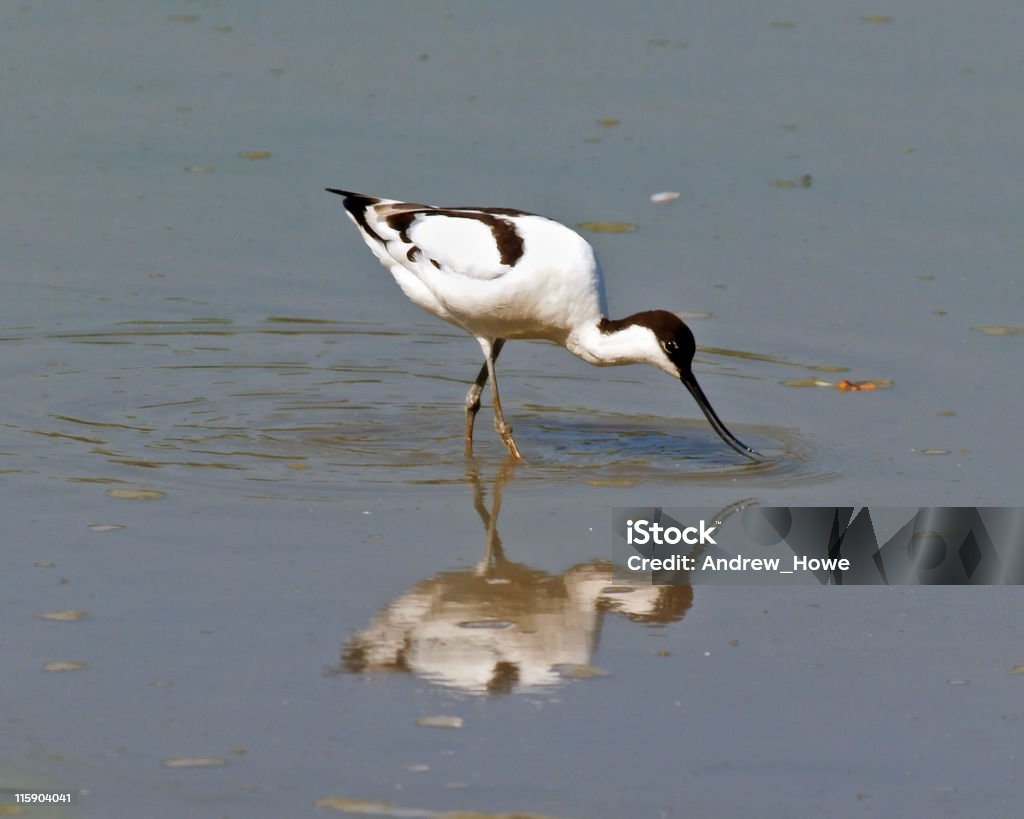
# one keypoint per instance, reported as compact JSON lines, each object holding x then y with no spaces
{"x":356,"y":201}
{"x":360,"y":211}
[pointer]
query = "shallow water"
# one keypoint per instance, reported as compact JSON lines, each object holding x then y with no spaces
{"x":263,"y":421}
{"x":231,"y":458}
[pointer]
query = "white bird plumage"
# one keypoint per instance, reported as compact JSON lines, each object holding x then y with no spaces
{"x":500,"y":273}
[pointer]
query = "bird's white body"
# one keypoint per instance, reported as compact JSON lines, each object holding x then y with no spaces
{"x":502,"y":274}
{"x":448,"y":262}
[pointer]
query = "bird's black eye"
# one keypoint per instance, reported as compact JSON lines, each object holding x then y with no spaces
{"x":670,"y":347}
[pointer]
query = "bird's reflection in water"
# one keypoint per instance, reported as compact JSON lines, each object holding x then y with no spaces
{"x":502,"y":626}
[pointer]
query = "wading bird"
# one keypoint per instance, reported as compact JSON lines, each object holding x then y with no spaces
{"x":502,"y":274}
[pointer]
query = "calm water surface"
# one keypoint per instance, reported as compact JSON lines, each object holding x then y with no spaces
{"x":236,"y":510}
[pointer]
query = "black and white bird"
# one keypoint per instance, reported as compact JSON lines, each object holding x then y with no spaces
{"x":500,"y":274}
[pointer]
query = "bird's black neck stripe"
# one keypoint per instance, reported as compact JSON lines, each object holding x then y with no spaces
{"x":662,"y":323}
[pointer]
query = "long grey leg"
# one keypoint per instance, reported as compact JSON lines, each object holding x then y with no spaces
{"x":504,"y":430}
{"x":473,"y":396}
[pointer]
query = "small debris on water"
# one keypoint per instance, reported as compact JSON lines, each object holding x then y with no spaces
{"x":807,"y":382}
{"x":67,"y":616}
{"x":65,"y":665}
{"x":341,"y":803}
{"x":136,"y":494}
{"x":804,"y":181}
{"x":843,"y":386}
{"x":856,"y":386}
{"x":607,"y":227}
{"x":440,"y":721}
{"x":578,"y":671}
{"x":193,"y":762}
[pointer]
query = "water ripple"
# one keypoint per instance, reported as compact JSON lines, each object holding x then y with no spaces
{"x":298,"y":408}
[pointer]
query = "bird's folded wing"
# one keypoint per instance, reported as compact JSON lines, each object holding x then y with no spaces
{"x":473,"y":243}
